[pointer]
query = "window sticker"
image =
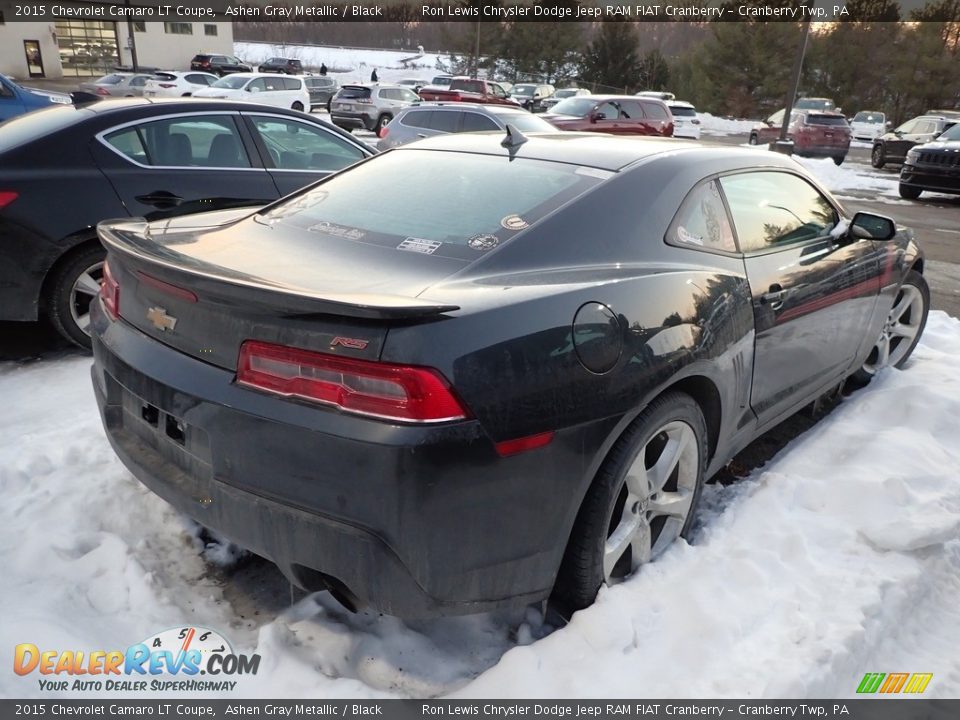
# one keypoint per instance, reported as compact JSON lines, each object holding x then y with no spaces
{"x":419,"y":245}
{"x":514,"y":222}
{"x":483,"y":242}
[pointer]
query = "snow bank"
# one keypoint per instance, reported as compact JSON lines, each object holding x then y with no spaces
{"x":841,"y":557}
{"x":711,"y":125}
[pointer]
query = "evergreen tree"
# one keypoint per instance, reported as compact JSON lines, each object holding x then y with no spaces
{"x":612,"y":61}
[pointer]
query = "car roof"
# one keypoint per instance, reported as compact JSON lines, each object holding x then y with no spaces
{"x":678,"y":103}
{"x":461,"y":106}
{"x":112,"y":105}
{"x":607,"y":152}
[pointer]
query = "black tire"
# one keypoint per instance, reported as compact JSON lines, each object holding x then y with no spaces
{"x":754,"y":140}
{"x":909,"y":192}
{"x":838,"y":159}
{"x":60,"y":296}
{"x":878,"y":158}
{"x":581,"y":571}
{"x":298,"y":106}
{"x":381,"y":123}
{"x":329,"y":105}
{"x":915,"y":280}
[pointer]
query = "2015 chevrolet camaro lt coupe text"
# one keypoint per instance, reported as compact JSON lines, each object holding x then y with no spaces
{"x":479,"y":370}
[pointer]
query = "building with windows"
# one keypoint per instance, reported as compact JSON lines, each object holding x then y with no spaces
{"x":56,"y":46}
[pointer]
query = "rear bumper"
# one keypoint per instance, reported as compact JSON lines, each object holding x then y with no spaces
{"x":821,"y":150}
{"x":352,"y":121}
{"x":413,"y":521}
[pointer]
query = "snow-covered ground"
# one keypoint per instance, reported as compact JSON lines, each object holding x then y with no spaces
{"x":718,"y":126}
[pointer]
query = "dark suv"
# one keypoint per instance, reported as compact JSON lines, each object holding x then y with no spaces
{"x":892,"y":147}
{"x":218,"y":64}
{"x":934,"y":166}
{"x":615,"y":114}
{"x":282,"y":65}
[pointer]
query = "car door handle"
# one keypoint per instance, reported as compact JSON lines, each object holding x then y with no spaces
{"x":160,"y":198}
{"x":773,"y":297}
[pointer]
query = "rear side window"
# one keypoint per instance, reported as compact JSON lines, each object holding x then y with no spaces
{"x":199,"y":141}
{"x":293,"y":84}
{"x":417,"y":118}
{"x":701,"y":222}
{"x":449,"y":204}
{"x":199,"y":79}
{"x":631,"y":109}
{"x":294,"y":145}
{"x":774,"y":209}
{"x":445,"y":121}
{"x":655,"y":111}
{"x":475,"y":122}
{"x":682,"y":111}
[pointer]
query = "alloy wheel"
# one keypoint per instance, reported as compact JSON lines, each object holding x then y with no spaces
{"x":85,"y":288}
{"x":903,"y":323}
{"x":654,"y":502}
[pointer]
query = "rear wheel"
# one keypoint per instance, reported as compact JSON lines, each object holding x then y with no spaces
{"x":642,"y":499}
{"x":298,"y":106}
{"x":73,"y":288}
{"x":753,"y":139}
{"x":878,"y":158}
{"x":908,"y":192}
{"x":902,"y":329}
{"x":838,"y":159}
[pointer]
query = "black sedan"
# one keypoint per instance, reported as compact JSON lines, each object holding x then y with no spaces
{"x":65,"y":169}
{"x":505,"y":377}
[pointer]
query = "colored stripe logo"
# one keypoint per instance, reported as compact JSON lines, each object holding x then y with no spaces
{"x":893,"y":683}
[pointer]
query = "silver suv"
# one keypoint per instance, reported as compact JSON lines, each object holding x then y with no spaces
{"x":429,"y":119}
{"x":369,"y":106}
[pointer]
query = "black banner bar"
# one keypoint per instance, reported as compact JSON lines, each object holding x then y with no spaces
{"x":441,"y":10}
{"x":874,"y":709}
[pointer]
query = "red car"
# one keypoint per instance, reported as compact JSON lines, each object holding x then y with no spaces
{"x":814,"y":134}
{"x":615,"y":114}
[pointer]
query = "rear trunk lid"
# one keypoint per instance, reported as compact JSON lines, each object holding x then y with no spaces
{"x":205,"y":284}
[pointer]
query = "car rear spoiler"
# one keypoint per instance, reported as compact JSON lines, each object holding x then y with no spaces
{"x":131,"y":239}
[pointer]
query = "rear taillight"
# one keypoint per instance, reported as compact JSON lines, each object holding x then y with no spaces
{"x":363,"y":101}
{"x":110,"y":293}
{"x":7,"y":197}
{"x":102,"y":91}
{"x":383,"y":132}
{"x":393,"y":392}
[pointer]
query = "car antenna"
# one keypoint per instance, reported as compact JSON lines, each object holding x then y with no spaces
{"x":514,"y":138}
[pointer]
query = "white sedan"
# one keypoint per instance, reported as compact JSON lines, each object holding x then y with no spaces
{"x":174,"y":83}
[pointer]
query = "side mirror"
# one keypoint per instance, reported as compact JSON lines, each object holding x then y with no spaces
{"x":594,"y":116}
{"x":867,"y":226}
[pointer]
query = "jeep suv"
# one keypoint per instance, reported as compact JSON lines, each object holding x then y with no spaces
{"x":933,"y":166}
{"x":814,"y":133}
{"x":289,"y":66}
{"x":218,"y":64}
{"x":369,"y":106}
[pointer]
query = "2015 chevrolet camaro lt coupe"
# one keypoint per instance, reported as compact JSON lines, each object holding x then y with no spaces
{"x":477,"y":370}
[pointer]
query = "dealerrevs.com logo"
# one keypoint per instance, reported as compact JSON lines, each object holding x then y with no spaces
{"x":176,"y":660}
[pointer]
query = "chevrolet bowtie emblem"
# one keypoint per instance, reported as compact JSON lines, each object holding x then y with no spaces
{"x":161,"y":321}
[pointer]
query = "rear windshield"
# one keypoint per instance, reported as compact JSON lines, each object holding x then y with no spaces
{"x":110,"y":80}
{"x":683,"y":111}
{"x":524,"y":121}
{"x":826,"y":119}
{"x":352,"y":92}
{"x":872,"y":118}
{"x":23,"y":129}
{"x":449,"y":204}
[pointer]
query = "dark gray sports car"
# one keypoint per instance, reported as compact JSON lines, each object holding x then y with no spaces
{"x":478,"y":371}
